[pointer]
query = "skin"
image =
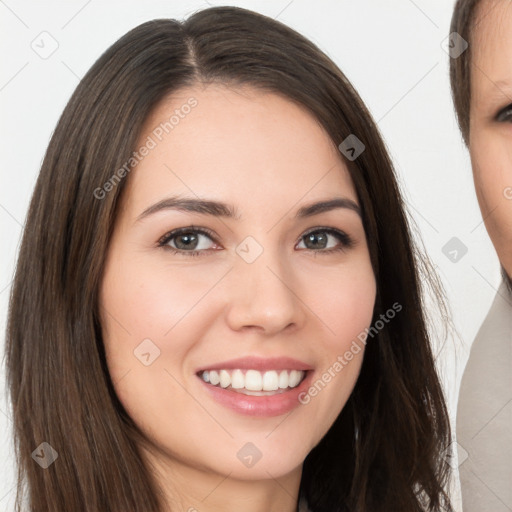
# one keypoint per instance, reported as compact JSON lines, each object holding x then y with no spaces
{"x":268,"y":157}
{"x":490,"y":140}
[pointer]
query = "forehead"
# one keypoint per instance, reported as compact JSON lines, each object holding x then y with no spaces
{"x":491,"y":60}
{"x":239,"y":143}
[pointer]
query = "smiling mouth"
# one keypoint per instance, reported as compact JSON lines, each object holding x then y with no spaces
{"x":254,"y":382}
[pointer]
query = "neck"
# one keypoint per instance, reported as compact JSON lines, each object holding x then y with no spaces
{"x":191,"y":489}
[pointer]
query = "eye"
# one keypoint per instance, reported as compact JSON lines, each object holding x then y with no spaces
{"x":505,"y":114}
{"x":319,"y":239}
{"x":186,"y":241}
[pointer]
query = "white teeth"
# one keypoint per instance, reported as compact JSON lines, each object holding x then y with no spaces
{"x":237,"y":380}
{"x":254,"y":380}
{"x":294,"y":378}
{"x":214,"y":378}
{"x":225,"y":379}
{"x":270,"y":381}
{"x":283,"y":379}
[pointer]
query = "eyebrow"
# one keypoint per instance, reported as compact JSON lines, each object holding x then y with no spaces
{"x":220,"y":209}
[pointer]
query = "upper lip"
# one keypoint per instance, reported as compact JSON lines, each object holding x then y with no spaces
{"x":258,"y":363}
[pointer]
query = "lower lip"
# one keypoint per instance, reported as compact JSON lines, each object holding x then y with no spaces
{"x":270,"y":405}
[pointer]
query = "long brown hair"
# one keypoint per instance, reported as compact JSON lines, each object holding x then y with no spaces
{"x":385,"y":450}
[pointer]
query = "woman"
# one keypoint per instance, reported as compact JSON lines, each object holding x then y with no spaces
{"x":481,"y":80}
{"x":225,"y":301}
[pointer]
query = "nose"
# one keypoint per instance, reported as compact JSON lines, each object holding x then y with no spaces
{"x":263,"y":295}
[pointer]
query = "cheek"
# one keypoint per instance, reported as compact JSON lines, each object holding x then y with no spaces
{"x":344,"y":300}
{"x":126,"y":301}
{"x":148,"y":329}
{"x":152,"y":318}
{"x":491,"y":158}
{"x":144,"y":300}
{"x":345,"y":307}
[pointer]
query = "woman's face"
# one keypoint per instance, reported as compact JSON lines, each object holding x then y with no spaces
{"x":490,"y":142}
{"x":270,"y":296}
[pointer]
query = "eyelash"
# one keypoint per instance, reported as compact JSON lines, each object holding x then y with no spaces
{"x":505,"y":114}
{"x":346,"y":241}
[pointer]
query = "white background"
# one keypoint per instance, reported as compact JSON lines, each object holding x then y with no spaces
{"x":392,"y":53}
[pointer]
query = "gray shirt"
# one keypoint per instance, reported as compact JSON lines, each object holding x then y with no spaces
{"x":484,"y":413}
